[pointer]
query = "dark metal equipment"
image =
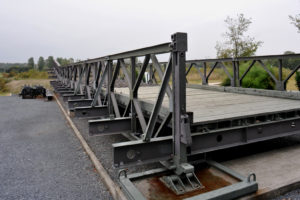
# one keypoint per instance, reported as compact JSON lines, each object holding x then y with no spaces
{"x":169,"y":135}
{"x":34,"y":92}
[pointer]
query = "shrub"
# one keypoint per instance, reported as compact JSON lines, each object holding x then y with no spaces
{"x":3,"y":87}
{"x":32,"y":74}
{"x":257,"y":77}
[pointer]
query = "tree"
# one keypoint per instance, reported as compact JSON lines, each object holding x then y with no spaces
{"x":50,"y":62}
{"x":30,"y":63}
{"x":65,"y":61}
{"x":236,"y":43}
{"x":41,"y":63}
{"x":296,"y":21}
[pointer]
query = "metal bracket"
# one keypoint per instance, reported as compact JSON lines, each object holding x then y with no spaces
{"x":182,"y":184}
{"x":179,"y":42}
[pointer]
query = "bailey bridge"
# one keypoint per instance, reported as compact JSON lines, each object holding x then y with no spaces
{"x":165,"y":119}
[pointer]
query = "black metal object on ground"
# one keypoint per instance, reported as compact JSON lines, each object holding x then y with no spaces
{"x":35,"y":91}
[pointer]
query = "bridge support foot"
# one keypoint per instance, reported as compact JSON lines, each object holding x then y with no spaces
{"x":238,"y":187}
{"x":181,"y":184}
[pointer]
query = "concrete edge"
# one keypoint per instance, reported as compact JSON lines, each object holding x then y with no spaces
{"x":277,"y":190}
{"x":113,"y":188}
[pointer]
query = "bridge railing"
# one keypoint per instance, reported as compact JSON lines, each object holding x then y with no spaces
{"x":233,"y":64}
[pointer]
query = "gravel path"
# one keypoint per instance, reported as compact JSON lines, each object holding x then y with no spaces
{"x":40,"y":158}
{"x":293,"y":195}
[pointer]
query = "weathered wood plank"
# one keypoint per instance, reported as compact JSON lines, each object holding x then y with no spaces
{"x":210,"y":105}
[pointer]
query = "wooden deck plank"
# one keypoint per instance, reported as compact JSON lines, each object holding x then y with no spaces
{"x":215,"y":105}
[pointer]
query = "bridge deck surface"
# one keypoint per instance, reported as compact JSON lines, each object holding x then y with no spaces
{"x":209,"y":105}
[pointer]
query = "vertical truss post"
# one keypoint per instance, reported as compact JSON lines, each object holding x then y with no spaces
{"x":87,"y":81}
{"x":151,"y":73}
{"x":204,"y":80}
{"x":133,"y":95}
{"x":181,"y":133}
{"x":237,"y":82}
{"x":81,"y":74}
{"x":108,"y":88}
{"x":74,"y":76}
{"x":280,"y":83}
{"x":234,"y":76}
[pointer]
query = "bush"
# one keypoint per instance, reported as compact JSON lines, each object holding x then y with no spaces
{"x":257,"y":77}
{"x":32,"y":74}
{"x":3,"y":87}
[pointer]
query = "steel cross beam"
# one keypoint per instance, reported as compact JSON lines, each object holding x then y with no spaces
{"x":159,"y":149}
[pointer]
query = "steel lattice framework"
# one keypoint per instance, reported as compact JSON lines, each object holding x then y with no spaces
{"x":168,"y":135}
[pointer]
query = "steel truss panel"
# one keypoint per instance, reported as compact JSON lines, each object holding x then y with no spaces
{"x":110,"y":126}
{"x":97,"y":111}
{"x":161,"y":148}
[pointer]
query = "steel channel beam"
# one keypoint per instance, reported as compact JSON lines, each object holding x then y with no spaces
{"x":73,"y":97}
{"x":229,"y":192}
{"x":65,"y":92}
{"x":159,"y":149}
{"x":79,"y":103}
{"x":61,"y":89}
{"x":110,"y":126}
{"x":97,"y":111}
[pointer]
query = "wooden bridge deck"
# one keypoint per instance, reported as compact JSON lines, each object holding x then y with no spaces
{"x":209,"y":105}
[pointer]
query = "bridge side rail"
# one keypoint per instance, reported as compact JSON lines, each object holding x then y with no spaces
{"x":234,"y":64}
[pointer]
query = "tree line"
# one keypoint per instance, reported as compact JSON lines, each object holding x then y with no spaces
{"x":43,"y":64}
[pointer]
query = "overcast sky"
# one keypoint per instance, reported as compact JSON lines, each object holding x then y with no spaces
{"x":91,"y":28}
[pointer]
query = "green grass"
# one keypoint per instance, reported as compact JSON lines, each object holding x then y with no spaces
{"x":12,"y":82}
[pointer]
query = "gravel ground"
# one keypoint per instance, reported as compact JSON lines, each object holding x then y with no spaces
{"x":293,"y":195}
{"x":40,"y":157}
